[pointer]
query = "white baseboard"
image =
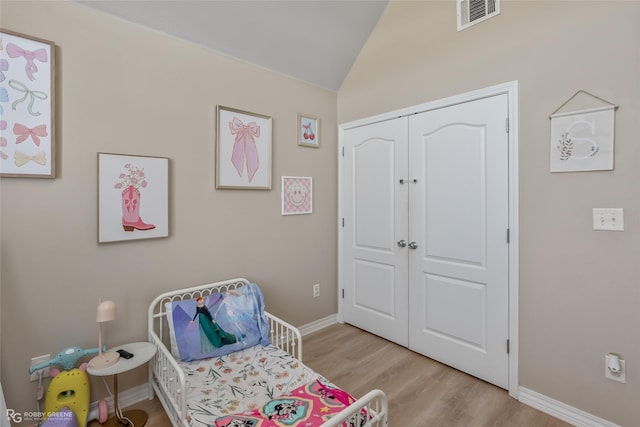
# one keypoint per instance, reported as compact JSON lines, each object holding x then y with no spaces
{"x":318,"y":324}
{"x":561,"y":410}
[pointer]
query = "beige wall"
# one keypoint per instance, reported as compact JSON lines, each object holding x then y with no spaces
{"x":579,"y":289}
{"x":125,"y":89}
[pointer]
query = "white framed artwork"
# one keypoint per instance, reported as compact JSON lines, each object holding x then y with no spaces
{"x":297,"y":195}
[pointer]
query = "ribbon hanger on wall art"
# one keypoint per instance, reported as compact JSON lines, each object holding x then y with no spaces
{"x":582,"y":139}
{"x":615,"y":107}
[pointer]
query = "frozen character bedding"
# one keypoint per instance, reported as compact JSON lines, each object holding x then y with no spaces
{"x":218,"y":324}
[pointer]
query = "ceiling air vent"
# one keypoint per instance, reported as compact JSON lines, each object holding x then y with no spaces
{"x":471,"y":12}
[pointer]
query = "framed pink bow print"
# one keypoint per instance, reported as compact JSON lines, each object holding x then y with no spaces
{"x":27,"y":100}
{"x":243,"y":150}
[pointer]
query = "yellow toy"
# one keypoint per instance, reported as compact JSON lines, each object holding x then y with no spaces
{"x":69,"y":389}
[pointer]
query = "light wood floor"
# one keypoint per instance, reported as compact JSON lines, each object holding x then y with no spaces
{"x":421,"y":392}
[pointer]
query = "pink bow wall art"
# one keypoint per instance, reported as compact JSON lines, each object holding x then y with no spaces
{"x":30,"y":67}
{"x":244,"y":147}
{"x":243,"y":150}
{"x":27,"y":104}
{"x":22,"y":133}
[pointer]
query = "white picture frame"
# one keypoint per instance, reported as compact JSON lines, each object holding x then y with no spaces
{"x":297,"y":195}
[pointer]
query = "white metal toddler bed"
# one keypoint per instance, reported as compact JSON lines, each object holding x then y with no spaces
{"x":196,"y":393}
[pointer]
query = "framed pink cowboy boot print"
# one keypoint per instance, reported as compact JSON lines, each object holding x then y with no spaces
{"x":133,"y":199}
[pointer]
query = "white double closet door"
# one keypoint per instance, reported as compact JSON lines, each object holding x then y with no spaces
{"x":424,"y":256}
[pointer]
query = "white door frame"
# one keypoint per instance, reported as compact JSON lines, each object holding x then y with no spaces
{"x":511,"y":90}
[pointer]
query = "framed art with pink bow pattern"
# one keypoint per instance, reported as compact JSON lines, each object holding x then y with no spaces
{"x":243,"y":150}
{"x":27,"y":106}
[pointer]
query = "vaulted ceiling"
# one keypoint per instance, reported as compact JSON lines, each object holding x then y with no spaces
{"x":316,"y":41}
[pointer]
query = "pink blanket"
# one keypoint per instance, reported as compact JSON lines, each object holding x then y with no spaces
{"x":309,"y":405}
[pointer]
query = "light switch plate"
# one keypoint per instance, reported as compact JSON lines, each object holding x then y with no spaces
{"x":608,"y":219}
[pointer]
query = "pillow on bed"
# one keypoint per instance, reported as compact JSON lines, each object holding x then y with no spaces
{"x":217,"y":324}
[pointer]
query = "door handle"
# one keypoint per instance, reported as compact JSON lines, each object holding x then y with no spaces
{"x":413,"y":245}
{"x":402,"y":243}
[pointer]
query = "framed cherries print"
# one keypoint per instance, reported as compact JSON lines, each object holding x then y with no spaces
{"x":308,"y":131}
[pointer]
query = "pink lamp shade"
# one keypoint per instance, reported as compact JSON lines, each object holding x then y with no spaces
{"x":106,"y":312}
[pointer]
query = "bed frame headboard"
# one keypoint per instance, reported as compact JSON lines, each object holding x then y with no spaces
{"x":166,"y":376}
{"x":281,"y":333}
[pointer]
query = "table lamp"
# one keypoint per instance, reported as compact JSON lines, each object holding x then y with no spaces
{"x":106,"y":313}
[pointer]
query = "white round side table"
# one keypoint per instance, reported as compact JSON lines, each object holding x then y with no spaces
{"x":142,"y":353}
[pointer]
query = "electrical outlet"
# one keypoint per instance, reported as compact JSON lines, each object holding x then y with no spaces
{"x":316,"y":290}
{"x":621,"y":377}
{"x":36,"y":361}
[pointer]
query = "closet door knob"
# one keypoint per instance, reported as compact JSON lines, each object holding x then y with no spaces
{"x":413,"y":245}
{"x":402,"y":243}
